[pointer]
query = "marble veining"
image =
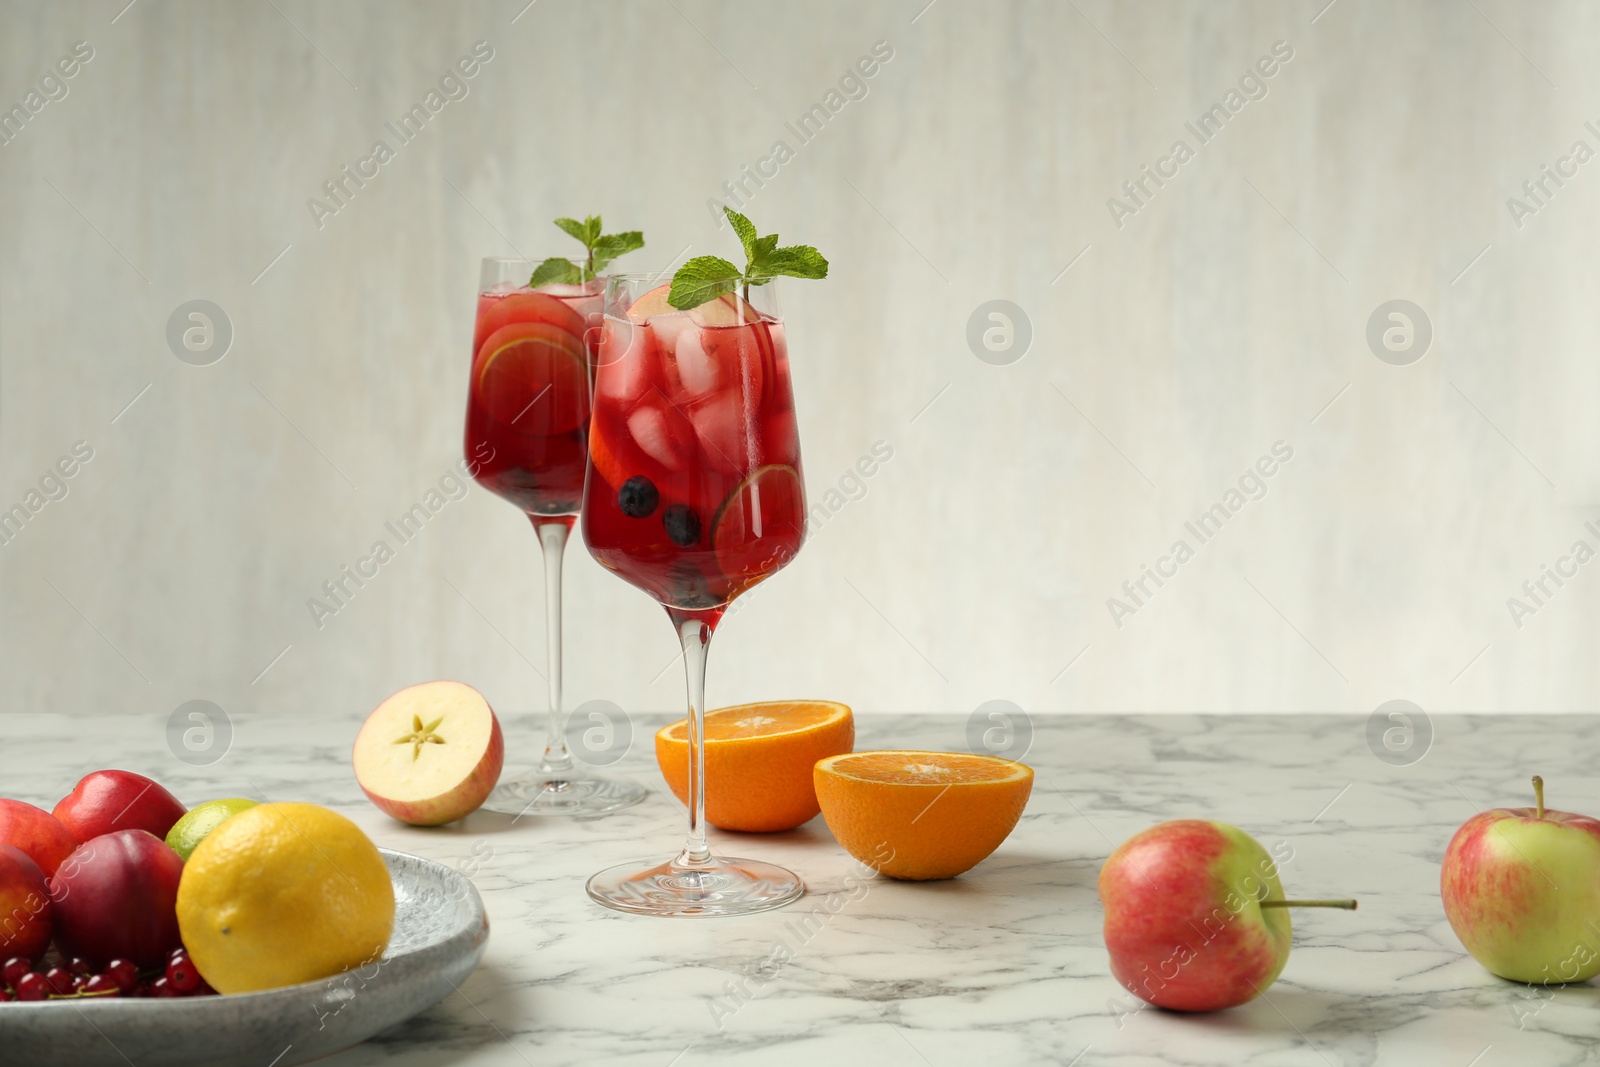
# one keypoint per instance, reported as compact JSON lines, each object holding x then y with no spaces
{"x":1002,"y":965}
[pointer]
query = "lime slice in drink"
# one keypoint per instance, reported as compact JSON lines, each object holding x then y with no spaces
{"x":531,"y":376}
{"x":758,"y":527}
{"x":527,"y":307}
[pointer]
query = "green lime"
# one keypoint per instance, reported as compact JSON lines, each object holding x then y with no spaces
{"x":187,"y":833}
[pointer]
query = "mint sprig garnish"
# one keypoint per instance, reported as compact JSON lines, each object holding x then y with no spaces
{"x":708,"y":277}
{"x":600,"y":249}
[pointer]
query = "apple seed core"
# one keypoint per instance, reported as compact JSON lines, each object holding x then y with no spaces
{"x":421,"y":735}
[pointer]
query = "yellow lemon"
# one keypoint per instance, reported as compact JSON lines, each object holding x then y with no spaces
{"x":283,"y":893}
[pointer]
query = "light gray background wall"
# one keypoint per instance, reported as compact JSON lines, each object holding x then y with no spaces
{"x":1167,"y":354}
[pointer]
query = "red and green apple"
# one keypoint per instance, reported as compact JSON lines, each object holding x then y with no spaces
{"x":1521,"y":888}
{"x":1195,"y":917}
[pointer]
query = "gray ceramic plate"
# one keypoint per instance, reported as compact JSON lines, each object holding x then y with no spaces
{"x":440,"y":931}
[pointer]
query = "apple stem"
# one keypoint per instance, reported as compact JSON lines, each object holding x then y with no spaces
{"x":1538,"y":797}
{"x":1347,"y":905}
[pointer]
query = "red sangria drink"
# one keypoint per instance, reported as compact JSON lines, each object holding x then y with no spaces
{"x":528,"y":405}
{"x":527,"y":430}
{"x":694,"y":495}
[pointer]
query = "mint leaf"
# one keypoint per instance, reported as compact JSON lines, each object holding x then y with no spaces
{"x":610,"y":246}
{"x":702,"y":278}
{"x":706,"y":277}
{"x":578,"y":231}
{"x":745,"y":229}
{"x":756,"y":270}
{"x":556,"y":270}
{"x":599,"y":249}
{"x":797,"y":261}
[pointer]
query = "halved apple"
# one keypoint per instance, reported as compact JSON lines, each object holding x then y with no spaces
{"x":430,"y":754}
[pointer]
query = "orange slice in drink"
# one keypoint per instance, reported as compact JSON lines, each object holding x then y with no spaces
{"x":758,"y":761}
{"x":606,"y":448}
{"x":531,"y":376}
{"x":761,"y":523}
{"x":527,"y":307}
{"x":921,"y":815}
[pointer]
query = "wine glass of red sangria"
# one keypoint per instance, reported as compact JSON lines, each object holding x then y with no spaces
{"x":694,"y":494}
{"x":527,"y":441}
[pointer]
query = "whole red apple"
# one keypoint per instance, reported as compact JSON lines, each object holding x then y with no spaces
{"x":26,"y":913}
{"x":1195,"y":915}
{"x":116,"y":898}
{"x":36,"y":832}
{"x":106,"y":801}
{"x":1521,"y":888}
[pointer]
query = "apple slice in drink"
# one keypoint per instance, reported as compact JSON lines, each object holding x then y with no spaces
{"x":527,"y":307}
{"x":430,"y":754}
{"x":652,"y":304}
{"x":743,"y":356}
{"x":729,"y":309}
{"x":665,"y":321}
{"x":532,"y":377}
{"x":764,"y":517}
{"x":697,"y":368}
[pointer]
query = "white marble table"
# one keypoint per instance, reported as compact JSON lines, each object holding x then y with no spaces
{"x":1002,"y":965}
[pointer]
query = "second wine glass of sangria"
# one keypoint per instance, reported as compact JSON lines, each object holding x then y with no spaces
{"x":527,"y":441}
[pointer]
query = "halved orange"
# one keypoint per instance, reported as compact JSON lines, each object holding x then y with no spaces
{"x":758,"y":760}
{"x":532,"y":377}
{"x":762,"y":522}
{"x":921,"y":815}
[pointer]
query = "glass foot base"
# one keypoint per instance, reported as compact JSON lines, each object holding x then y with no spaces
{"x":725,"y":887}
{"x":579,"y":793}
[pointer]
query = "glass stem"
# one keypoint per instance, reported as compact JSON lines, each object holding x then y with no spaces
{"x":694,"y":633}
{"x":557,"y":760}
